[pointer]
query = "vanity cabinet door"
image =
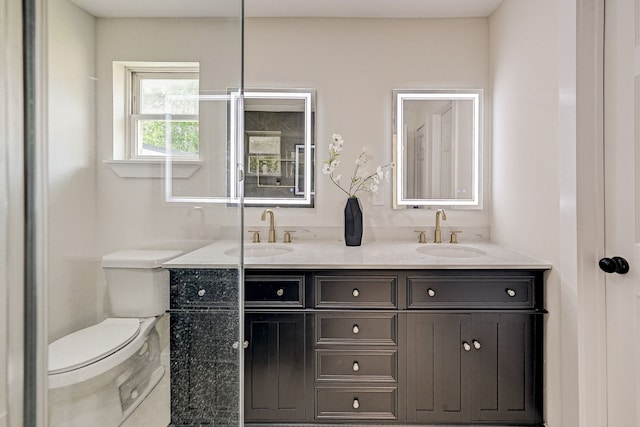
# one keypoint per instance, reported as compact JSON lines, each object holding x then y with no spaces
{"x":204,"y":368}
{"x":275,"y":367}
{"x":437,"y":368}
{"x":475,"y":367}
{"x":506,"y":371}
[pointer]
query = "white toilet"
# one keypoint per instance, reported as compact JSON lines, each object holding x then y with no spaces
{"x":100,"y":374}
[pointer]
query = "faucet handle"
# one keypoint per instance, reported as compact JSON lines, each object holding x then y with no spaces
{"x":454,"y":236}
{"x":256,"y":236}
{"x":287,"y":236}
{"x":423,"y":236}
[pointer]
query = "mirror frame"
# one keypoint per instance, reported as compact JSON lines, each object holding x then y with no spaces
{"x":237,"y":163}
{"x":399,"y":96}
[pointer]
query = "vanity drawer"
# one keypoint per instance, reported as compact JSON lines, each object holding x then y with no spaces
{"x":366,"y":329}
{"x":357,"y":366}
{"x":267,"y":291}
{"x":450,"y":291}
{"x":340,"y":403}
{"x":355,"y":291}
{"x":204,"y":288}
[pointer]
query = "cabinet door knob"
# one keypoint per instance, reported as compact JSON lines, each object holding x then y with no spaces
{"x":476,"y":344}
{"x":355,"y":367}
{"x":355,"y":329}
{"x":356,"y":403}
{"x":355,"y":292}
{"x":245,"y":344}
{"x":431,"y":292}
{"x":466,"y":346}
{"x":511,"y":293}
{"x":280,"y":292}
{"x":201,"y":292}
{"x":235,"y":345}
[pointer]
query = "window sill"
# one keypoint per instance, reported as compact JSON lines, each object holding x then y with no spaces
{"x":152,"y":168}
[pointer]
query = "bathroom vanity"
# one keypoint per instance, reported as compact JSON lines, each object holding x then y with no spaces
{"x":453,"y":341}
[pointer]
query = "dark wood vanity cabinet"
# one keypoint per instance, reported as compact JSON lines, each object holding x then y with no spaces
{"x":356,"y":347}
{"x":422,"y":347}
{"x":481,"y":367}
{"x":204,"y":365}
{"x":275,"y":356}
{"x":474,"y":347}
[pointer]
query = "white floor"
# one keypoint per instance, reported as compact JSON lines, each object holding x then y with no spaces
{"x":154,"y":411}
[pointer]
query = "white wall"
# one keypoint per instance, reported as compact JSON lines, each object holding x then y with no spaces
{"x":532,"y":49}
{"x":354,"y":64}
{"x":354,"y":80}
{"x":132,"y":212}
{"x":71,"y":169}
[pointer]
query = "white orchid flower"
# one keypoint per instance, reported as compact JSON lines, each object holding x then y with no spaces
{"x":362,"y":179}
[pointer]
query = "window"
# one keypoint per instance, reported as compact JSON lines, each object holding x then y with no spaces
{"x":163,"y":113}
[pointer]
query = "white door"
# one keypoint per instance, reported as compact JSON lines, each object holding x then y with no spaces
{"x":622,"y":210}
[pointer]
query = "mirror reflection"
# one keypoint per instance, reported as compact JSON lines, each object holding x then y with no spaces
{"x":278,"y":148}
{"x":437,"y":140}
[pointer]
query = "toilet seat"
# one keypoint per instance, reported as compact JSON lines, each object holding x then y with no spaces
{"x":91,"y":344}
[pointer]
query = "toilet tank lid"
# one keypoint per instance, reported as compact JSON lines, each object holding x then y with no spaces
{"x":139,"y":258}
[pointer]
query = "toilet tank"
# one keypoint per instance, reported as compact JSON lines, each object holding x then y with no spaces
{"x":136,"y":284}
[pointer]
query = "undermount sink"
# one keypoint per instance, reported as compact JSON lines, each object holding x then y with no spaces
{"x":259,"y":251}
{"x":451,"y":251}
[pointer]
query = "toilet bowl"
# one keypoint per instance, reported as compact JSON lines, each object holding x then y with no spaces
{"x":100,"y":374}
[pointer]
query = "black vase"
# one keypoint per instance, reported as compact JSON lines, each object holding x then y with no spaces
{"x":353,"y":222}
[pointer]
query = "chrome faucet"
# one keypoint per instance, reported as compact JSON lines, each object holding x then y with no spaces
{"x":272,"y":227}
{"x":440,"y":213}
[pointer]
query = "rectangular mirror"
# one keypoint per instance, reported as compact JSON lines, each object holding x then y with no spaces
{"x":277,"y":147}
{"x":437,"y":139}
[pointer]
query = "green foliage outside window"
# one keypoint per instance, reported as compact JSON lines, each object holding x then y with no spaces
{"x":184,"y":136}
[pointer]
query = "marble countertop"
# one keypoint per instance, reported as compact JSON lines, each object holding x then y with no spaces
{"x":371,"y":255}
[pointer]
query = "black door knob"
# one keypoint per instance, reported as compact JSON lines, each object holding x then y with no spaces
{"x":614,"y":265}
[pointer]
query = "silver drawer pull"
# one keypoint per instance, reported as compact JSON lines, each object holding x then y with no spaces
{"x":235,"y":345}
{"x":431,"y":292}
{"x":355,"y":329}
{"x":466,"y":346}
{"x":201,"y":292}
{"x":356,"y":403}
{"x":355,"y":367}
{"x":280,"y":292}
{"x":511,"y":293}
{"x":245,"y":344}
{"x":355,"y":293}
{"x":476,"y":344}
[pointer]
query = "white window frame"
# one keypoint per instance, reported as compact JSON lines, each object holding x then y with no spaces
{"x":134,"y":76}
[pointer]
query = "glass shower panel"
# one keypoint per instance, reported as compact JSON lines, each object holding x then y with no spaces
{"x":155,"y":177}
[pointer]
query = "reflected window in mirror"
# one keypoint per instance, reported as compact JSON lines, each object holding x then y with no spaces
{"x":277,"y":147}
{"x":437,"y":148}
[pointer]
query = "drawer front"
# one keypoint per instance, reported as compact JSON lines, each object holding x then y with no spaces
{"x":367,"y":329}
{"x":478,"y":292}
{"x":356,"y":291}
{"x":202,"y":288}
{"x":356,"y":366}
{"x":266,"y":291}
{"x":375,"y":403}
